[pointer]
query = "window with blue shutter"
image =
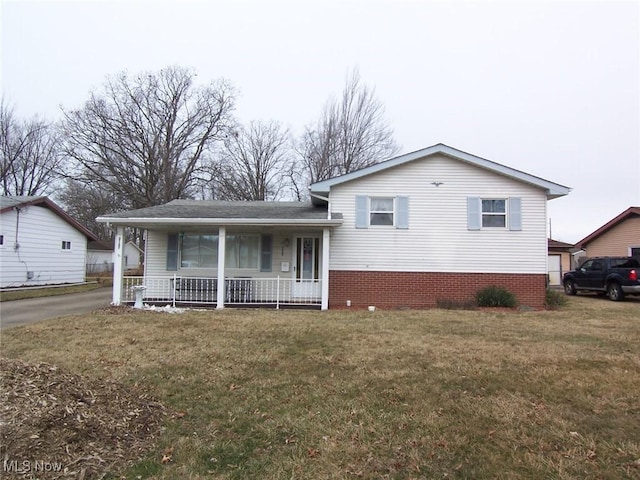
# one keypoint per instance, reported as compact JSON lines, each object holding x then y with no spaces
{"x":490,"y":213}
{"x":474,"y":206}
{"x":402,"y":212}
{"x":515,"y":213}
{"x":362,"y":211}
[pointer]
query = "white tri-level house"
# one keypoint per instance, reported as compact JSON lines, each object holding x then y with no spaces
{"x":435,"y":224}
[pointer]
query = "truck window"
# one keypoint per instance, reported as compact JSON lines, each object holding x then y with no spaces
{"x":625,"y":263}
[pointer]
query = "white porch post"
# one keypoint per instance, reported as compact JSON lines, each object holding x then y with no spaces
{"x":222,"y":240}
{"x":118,"y":266}
{"x":324,"y":305}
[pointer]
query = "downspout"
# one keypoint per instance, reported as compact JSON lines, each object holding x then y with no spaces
{"x":16,"y":244}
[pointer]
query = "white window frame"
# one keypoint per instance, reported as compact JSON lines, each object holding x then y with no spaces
{"x":372,"y":212}
{"x":504,"y":214}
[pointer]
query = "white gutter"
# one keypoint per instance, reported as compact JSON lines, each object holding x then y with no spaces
{"x":325,"y":199}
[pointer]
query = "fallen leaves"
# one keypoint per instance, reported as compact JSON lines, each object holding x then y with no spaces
{"x":89,"y":426}
{"x":167,"y":455}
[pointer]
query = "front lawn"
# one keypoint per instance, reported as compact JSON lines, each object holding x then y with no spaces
{"x":388,"y":394}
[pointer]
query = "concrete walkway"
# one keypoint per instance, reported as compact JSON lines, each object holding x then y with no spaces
{"x":30,"y":310}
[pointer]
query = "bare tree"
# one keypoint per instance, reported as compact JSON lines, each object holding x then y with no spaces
{"x":85,"y":202}
{"x":146,"y":138}
{"x":351,"y":134}
{"x":254,"y":161}
{"x":31,"y":160}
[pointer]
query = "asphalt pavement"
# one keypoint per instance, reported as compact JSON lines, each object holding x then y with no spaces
{"x":31,"y":310}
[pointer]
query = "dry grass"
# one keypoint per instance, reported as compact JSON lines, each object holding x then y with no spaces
{"x":20,"y":294}
{"x":411,"y":394}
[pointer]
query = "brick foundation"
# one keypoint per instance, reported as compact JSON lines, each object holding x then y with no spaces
{"x":388,"y":290}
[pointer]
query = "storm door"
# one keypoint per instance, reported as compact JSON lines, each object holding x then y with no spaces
{"x":306,"y":268}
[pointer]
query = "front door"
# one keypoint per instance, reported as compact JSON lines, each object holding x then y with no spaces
{"x":306,"y":268}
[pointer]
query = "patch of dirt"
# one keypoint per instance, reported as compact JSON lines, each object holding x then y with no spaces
{"x":55,"y":424}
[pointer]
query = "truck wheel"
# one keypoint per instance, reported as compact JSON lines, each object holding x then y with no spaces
{"x":569,"y":287}
{"x":614,"y":292}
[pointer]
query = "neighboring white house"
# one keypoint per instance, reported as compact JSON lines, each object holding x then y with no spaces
{"x":40,"y":243}
{"x":100,"y":256}
{"x":436,"y":224}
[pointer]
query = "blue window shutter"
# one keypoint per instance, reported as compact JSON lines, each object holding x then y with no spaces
{"x":515,"y":213}
{"x":266,"y":253}
{"x":362,"y":211}
{"x":402,"y":212}
{"x":172,"y":252}
{"x":474,"y":214}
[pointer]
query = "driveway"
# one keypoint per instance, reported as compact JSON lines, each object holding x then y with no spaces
{"x":30,"y":310}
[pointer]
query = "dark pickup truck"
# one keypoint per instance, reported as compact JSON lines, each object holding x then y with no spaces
{"x":613,"y":276}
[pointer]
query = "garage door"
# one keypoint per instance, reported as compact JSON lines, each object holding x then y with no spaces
{"x":553,"y":267}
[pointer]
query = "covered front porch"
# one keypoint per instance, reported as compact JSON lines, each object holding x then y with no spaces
{"x":278,"y":292}
{"x":258,"y":254}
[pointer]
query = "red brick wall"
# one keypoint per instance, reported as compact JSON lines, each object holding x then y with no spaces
{"x":423,"y":289}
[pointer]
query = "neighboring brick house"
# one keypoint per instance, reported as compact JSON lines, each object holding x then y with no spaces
{"x":618,"y":237}
{"x":435,"y":224}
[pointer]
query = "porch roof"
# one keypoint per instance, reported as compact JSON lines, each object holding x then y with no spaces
{"x":216,"y":212}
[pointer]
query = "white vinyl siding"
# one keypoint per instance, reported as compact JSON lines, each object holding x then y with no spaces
{"x":438,"y":238}
{"x":40,"y":258}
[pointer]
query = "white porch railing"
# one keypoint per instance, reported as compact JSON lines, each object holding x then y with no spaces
{"x":238,"y":291}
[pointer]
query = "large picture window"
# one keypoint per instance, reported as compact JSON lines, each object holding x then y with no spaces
{"x":199,"y":251}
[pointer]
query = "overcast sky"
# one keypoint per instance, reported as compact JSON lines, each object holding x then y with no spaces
{"x":550,"y":88}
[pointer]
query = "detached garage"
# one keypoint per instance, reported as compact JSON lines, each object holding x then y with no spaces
{"x":558,"y":260}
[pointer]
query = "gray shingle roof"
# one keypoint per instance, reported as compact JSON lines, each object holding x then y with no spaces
{"x":13,"y":201}
{"x":225,"y":210}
